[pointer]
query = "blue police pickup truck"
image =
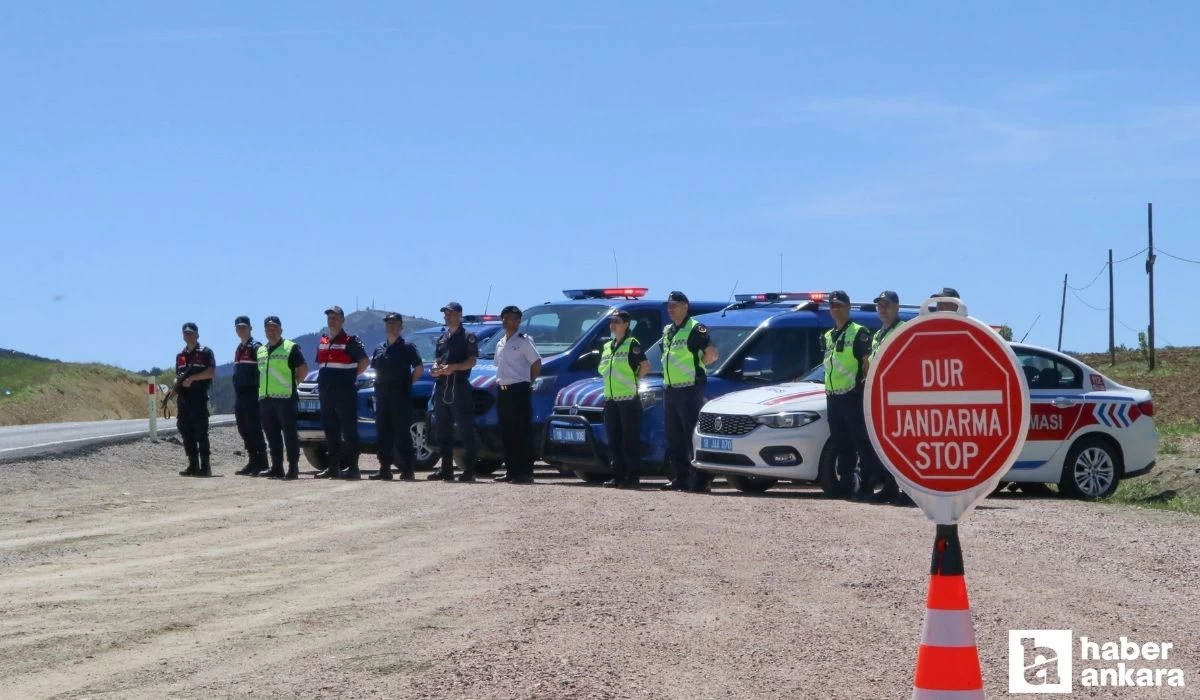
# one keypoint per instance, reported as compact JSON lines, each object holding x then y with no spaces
{"x":569,"y":336}
{"x":761,"y":339}
{"x":312,"y":436}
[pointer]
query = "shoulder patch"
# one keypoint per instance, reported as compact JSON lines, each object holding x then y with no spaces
{"x":470,"y":337}
{"x":701,"y":327}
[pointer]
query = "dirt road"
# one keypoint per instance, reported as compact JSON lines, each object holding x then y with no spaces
{"x":121,"y":579}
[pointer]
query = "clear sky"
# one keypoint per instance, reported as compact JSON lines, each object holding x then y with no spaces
{"x":163,"y":162}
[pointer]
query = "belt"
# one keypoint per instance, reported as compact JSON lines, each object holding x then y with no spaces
{"x":514,"y":385}
{"x":840,"y":392}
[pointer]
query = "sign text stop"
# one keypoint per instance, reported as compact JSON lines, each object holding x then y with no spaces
{"x":947,"y":408}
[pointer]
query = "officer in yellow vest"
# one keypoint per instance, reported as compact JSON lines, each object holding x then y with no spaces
{"x":887,"y":305}
{"x":280,"y":368}
{"x":847,"y":347}
{"x":622,"y":364}
{"x":686,"y":349}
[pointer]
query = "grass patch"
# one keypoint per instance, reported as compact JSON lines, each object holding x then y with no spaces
{"x":1181,"y":429}
{"x":18,"y":374}
{"x":1146,"y":494}
{"x":1172,"y":436}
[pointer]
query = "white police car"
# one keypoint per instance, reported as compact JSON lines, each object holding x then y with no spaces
{"x":1086,"y":431}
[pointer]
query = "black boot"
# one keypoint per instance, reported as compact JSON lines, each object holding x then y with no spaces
{"x":384,"y":474}
{"x":446,"y":473}
{"x":260,"y":464}
{"x":406,"y":474}
{"x":352,"y":469}
{"x":332,"y":471}
{"x":293,"y":472}
{"x":276,"y":471}
{"x":249,"y":467}
{"x":205,"y":469}
{"x":193,"y":467}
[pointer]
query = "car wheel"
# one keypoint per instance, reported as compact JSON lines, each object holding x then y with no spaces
{"x":750,"y":484}
{"x":1091,"y":470}
{"x":425,"y":457}
{"x":827,"y":477}
{"x":1037,"y":489}
{"x":592,"y":477}
{"x":317,"y":456}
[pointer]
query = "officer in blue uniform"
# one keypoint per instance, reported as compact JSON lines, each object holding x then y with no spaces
{"x":887,"y":305}
{"x":245,"y":398}
{"x":453,"y":403}
{"x":683,"y":396}
{"x":340,"y":359}
{"x":397,"y":365}
{"x":517,"y":365}
{"x":848,"y":345}
{"x":194,"y":370}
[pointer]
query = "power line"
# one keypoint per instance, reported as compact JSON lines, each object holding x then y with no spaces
{"x":1186,"y":260}
{"x":1131,"y":257}
{"x":1125,"y":259}
{"x":1081,"y":301}
{"x":1101,"y":272}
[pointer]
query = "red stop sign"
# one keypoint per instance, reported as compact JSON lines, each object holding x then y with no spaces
{"x":947,"y":407}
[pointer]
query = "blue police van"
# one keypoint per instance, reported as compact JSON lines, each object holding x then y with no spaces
{"x":312,"y":436}
{"x":761,"y":339}
{"x":569,"y":336}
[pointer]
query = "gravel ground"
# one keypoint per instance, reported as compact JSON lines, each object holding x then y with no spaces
{"x":121,"y":579}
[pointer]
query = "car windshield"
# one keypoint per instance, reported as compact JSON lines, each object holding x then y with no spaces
{"x":553,"y":327}
{"x":816,"y":374}
{"x":726,"y":338}
{"x":425,"y":343}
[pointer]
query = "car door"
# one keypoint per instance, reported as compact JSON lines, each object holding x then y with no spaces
{"x":1057,"y":401}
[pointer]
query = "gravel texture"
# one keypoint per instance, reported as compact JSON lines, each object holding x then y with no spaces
{"x":121,"y":579}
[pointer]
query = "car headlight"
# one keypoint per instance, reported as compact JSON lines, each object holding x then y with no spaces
{"x":787,"y":419}
{"x":545,"y":383}
{"x":650,"y":397}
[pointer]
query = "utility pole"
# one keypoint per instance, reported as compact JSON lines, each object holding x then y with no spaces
{"x":1062,"y":312}
{"x":1112,"y":338}
{"x":1150,"y":272}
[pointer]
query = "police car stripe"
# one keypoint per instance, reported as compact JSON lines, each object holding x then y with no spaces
{"x":591,"y":398}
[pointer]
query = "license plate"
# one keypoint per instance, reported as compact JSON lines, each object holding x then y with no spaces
{"x":724,"y":444}
{"x":310,"y":406}
{"x":568,"y":435}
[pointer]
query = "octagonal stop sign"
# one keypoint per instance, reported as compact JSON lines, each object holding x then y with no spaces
{"x":947,"y":410}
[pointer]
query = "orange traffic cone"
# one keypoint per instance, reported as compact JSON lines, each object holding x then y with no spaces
{"x":947,"y":661}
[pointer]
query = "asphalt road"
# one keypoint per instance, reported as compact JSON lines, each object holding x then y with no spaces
{"x":24,"y":441}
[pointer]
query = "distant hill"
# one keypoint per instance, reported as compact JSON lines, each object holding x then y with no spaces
{"x":39,"y":390}
{"x":367,"y":324}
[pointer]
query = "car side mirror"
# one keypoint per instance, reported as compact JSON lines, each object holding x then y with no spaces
{"x":588,"y":360}
{"x":751,"y":367}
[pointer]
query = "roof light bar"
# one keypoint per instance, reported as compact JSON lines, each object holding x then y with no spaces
{"x":606,"y":293}
{"x":768,"y":297}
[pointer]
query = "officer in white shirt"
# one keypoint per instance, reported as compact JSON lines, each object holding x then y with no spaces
{"x":517,"y":365}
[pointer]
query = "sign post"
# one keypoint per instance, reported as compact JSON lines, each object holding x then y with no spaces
{"x":947,"y":410}
{"x":153,"y":406}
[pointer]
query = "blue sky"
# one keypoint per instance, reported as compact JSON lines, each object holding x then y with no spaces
{"x":172,"y":162}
